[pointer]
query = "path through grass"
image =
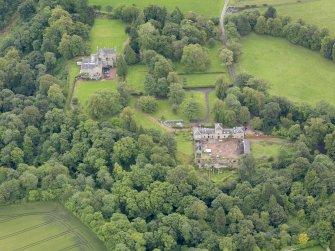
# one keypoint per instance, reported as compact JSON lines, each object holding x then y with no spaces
{"x":292,"y":71}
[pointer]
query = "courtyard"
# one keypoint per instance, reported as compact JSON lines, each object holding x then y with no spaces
{"x":222,"y":149}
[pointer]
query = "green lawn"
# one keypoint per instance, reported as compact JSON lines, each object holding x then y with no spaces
{"x":317,"y":12}
{"x":136,"y":76}
{"x":73,"y":71}
{"x":208,"y":9}
{"x":212,"y":99}
{"x":44,"y":226}
{"x":185,"y":146}
{"x":292,"y":71}
{"x":264,"y":149}
{"x":107,"y":33}
{"x":218,"y":177}
{"x":86,"y":88}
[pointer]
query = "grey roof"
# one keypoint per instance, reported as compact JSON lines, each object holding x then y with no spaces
{"x":89,"y":63}
{"x":196,"y":131}
{"x":218,"y":126}
{"x":107,"y":50}
{"x":217,"y":129}
{"x":239,"y":129}
{"x":228,"y":130}
{"x":206,"y":130}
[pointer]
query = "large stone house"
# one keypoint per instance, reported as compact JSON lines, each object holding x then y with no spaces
{"x":218,"y":133}
{"x":94,"y":67}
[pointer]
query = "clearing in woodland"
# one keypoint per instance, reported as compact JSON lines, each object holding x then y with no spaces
{"x":105,"y":33}
{"x":199,"y":6}
{"x":292,"y":71}
{"x":44,"y":226}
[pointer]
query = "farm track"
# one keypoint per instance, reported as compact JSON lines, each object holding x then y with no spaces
{"x":231,"y":67}
{"x":15,"y":216}
{"x":27,"y":229}
{"x":44,"y":240}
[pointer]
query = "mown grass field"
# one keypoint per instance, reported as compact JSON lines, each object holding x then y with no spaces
{"x":185,"y":148}
{"x":210,"y":9}
{"x":44,"y":226}
{"x":317,"y":12}
{"x":85,"y":89}
{"x":136,"y":76}
{"x":292,"y":71}
{"x":263,"y":149}
{"x":107,"y":33}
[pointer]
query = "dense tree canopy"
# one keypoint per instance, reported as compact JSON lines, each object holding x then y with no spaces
{"x":127,"y":183}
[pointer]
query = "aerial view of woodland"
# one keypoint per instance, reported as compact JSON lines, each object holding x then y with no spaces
{"x":182,"y":125}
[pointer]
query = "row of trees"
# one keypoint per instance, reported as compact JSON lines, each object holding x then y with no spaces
{"x":269,"y":23}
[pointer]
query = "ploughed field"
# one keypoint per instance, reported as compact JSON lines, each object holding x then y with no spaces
{"x":44,"y":226}
{"x":293,"y":71}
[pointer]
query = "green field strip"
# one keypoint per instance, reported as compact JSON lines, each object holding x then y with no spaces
{"x":20,"y":222}
{"x":26,"y":229}
{"x":65,"y":242}
{"x":72,"y":247}
{"x":51,"y":228}
{"x":33,"y":244}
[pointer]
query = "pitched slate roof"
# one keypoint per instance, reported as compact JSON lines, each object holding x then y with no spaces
{"x":218,"y":126}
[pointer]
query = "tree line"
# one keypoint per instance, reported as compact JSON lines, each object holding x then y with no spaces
{"x":269,"y":23}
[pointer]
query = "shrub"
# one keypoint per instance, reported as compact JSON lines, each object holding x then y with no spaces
{"x":148,"y":104}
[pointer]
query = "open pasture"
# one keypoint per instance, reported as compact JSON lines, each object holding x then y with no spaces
{"x":317,"y":12}
{"x":44,"y":226}
{"x":107,"y":33}
{"x":211,"y":8}
{"x":292,"y":71}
